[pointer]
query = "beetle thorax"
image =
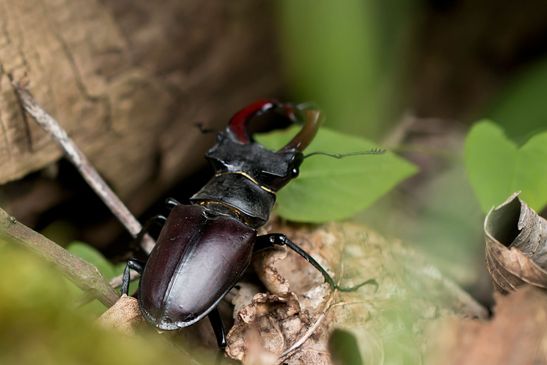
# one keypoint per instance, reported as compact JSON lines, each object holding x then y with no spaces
{"x":247,"y":177}
{"x":267,"y":168}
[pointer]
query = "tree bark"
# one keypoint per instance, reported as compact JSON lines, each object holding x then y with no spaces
{"x":128,"y":80}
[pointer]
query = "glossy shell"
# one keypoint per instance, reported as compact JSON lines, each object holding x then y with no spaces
{"x":240,"y":193}
{"x":197,"y":259}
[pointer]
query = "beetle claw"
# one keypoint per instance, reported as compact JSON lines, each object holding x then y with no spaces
{"x":355,"y":287}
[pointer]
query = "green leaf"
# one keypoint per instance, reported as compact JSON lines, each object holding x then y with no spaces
{"x":94,"y":257}
{"x":497,"y":167}
{"x":331,"y":189}
{"x":40,"y":324}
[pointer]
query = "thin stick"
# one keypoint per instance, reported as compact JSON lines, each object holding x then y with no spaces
{"x":287,"y":353}
{"x":86,"y":276}
{"x":80,"y":161}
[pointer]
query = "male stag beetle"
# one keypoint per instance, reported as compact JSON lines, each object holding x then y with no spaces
{"x":204,"y":248}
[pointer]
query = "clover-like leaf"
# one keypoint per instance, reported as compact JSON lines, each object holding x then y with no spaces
{"x":330,"y":188}
{"x":497,"y":167}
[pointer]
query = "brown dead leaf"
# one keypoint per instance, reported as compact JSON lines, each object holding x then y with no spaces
{"x":516,"y":336}
{"x":516,"y":245}
{"x":293,"y":325}
{"x":289,"y":326}
{"x":266,"y":325}
{"x":265,"y":265}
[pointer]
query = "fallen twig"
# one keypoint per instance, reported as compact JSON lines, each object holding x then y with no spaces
{"x":80,"y":161}
{"x":86,"y":276}
{"x":297,"y":344}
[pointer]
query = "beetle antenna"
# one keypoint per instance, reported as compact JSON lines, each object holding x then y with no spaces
{"x":373,"y":151}
{"x":203,"y":129}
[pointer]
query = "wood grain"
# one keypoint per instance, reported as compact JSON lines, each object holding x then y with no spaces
{"x":128,"y":80}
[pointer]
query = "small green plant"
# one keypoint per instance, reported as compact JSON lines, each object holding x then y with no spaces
{"x":95,"y":257}
{"x":497,"y":167}
{"x":109,"y":270}
{"x":332,"y":189}
{"x":40,"y":324}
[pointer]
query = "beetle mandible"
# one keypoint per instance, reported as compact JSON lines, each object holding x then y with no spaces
{"x":205,"y":247}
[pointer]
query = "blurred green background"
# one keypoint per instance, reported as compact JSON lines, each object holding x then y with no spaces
{"x":413,"y":76}
{"x":410,"y":75}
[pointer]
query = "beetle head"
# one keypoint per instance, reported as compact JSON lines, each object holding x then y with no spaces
{"x":236,"y":151}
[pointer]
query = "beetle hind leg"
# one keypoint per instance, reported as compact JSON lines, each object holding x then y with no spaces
{"x":158,"y":220}
{"x":218,"y":327}
{"x":277,"y":239}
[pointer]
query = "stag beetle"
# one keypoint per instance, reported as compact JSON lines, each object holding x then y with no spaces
{"x":204,"y":248}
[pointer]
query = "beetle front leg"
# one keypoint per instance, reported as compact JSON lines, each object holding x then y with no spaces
{"x":277,"y":239}
{"x":134,"y":264}
{"x":218,"y":327}
{"x":155,"y":220}
{"x":171,"y":203}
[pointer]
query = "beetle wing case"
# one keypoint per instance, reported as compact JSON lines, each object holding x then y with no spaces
{"x":196,"y":260}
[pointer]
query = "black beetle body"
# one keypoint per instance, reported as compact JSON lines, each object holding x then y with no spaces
{"x":204,"y":248}
{"x":197,"y":259}
{"x":246,"y":177}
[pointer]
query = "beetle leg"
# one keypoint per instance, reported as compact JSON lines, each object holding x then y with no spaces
{"x":136,"y":265}
{"x":278,"y":239}
{"x":171,"y":203}
{"x":218,"y":327}
{"x":158,"y":220}
{"x":155,"y":220}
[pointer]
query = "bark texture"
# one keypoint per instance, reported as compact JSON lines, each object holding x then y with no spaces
{"x":128,"y":80}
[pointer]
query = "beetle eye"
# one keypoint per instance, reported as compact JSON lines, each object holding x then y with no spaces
{"x":294,"y":172}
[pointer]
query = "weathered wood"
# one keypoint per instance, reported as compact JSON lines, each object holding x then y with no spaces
{"x":128,"y":80}
{"x":84,"y":167}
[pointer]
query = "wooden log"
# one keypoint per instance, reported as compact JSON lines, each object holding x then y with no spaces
{"x":128,"y":80}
